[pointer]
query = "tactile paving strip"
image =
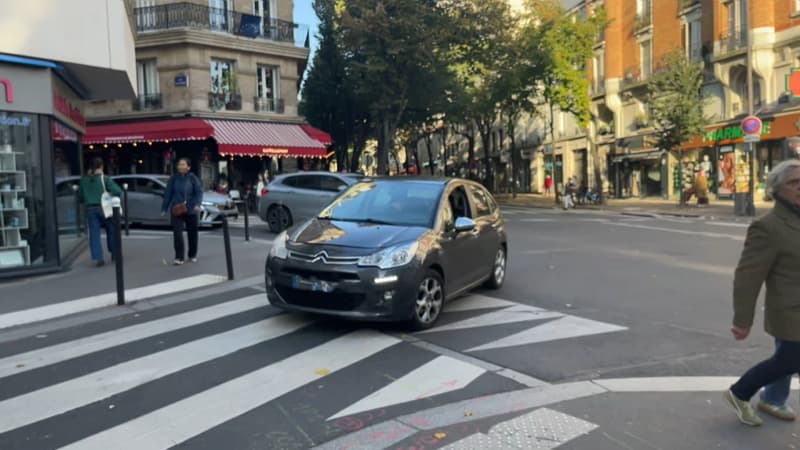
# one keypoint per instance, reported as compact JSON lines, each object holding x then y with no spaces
{"x":543,"y":429}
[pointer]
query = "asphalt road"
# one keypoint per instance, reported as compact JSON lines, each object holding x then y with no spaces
{"x":588,"y":295}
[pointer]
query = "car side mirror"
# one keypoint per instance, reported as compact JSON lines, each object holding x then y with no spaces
{"x":464,"y":224}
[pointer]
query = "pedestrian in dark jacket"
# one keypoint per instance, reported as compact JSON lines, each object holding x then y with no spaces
{"x":182,"y":200}
{"x":771,"y":256}
{"x":92,"y":187}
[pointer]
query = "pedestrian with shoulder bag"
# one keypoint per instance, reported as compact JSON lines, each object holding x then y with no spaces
{"x":182,"y":199}
{"x":96,"y":191}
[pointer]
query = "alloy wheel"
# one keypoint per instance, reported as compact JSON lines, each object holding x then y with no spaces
{"x":430,"y":297}
{"x":499,"y":267}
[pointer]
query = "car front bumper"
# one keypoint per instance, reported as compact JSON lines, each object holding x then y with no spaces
{"x":349,"y":291}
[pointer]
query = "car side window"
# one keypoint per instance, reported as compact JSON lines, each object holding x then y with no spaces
{"x":459,"y":203}
{"x":311,"y":182}
{"x":483,"y":205}
{"x":148,"y":186}
{"x":331,"y":184}
{"x":129,"y":181}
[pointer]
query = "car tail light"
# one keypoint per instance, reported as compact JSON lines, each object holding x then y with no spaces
{"x":264,"y":191}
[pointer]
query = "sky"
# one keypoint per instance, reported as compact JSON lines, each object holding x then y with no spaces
{"x":304,"y":15}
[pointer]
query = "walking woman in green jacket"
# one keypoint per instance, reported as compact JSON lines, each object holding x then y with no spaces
{"x":92,"y":188}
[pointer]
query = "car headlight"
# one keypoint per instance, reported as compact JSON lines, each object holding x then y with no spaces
{"x":278,"y":249}
{"x":391,"y":257}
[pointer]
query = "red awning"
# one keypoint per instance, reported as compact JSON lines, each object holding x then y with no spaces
{"x":264,"y":139}
{"x":317,"y":134}
{"x":158,"y":130}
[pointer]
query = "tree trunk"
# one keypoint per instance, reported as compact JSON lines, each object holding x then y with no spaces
{"x":384,"y":146}
{"x":443,"y":151}
{"x":430,"y":154}
{"x":486,"y":136}
{"x":514,"y":157}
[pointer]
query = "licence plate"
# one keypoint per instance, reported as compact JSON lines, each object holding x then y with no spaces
{"x":311,"y":285}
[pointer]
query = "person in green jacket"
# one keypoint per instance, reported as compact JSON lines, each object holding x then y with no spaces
{"x":91,"y":191}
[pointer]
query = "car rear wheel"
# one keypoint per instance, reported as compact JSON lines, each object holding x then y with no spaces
{"x":278,"y":218}
{"x":498,"y":275}
{"x":429,"y":301}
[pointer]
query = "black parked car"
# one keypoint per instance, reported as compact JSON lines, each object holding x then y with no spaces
{"x":390,"y":249}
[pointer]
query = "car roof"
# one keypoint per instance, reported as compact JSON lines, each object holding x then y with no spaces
{"x":318,"y":172}
{"x":420,"y":179}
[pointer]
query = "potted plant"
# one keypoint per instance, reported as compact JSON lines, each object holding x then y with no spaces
{"x":641,"y":120}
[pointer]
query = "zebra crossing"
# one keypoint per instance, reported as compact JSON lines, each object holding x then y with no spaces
{"x":241,"y":374}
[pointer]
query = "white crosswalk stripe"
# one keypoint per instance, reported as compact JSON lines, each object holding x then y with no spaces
{"x":34,"y":403}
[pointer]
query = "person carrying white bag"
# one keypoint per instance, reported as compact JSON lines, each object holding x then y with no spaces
{"x":97,"y":192}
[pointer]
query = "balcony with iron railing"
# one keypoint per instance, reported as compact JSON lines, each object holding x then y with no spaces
{"x":733,"y":42}
{"x":145,"y":102}
{"x":224,"y":101}
{"x":269,"y":105}
{"x":193,"y":16}
{"x":633,"y":77}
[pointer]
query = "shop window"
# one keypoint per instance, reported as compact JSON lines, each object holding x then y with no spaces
{"x":22,"y":201}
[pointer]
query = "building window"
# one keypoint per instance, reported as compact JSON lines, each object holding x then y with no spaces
{"x":694,"y":39}
{"x":268,"y":89}
{"x":224,"y":88}
{"x":147,"y":83}
{"x":266,"y":10}
{"x":797,"y":5}
{"x":646,"y":58}
{"x":145,"y":15}
{"x":218,"y":11}
{"x":598,"y":71}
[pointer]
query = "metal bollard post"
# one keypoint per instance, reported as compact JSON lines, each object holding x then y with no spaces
{"x":125,"y":208}
{"x":246,"y":217}
{"x":118,"y":254}
{"x":226,"y":235}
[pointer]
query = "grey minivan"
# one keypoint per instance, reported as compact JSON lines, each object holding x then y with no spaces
{"x":293,"y":198}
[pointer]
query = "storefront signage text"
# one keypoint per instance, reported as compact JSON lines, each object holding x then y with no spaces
{"x":275,"y":151}
{"x":70,"y":111}
{"x":732,"y":132}
{"x":9,"y":89}
{"x":15,"y":121}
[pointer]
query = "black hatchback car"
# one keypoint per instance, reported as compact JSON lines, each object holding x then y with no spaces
{"x":390,"y":249}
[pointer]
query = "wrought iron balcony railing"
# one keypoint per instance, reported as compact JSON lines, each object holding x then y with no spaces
{"x":269,"y":105}
{"x":224,"y":101}
{"x":191,"y":15}
{"x":145,"y":102}
{"x":734,"y":41}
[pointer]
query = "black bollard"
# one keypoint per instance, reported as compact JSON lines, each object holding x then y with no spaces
{"x":125,"y":209}
{"x":118,"y":256}
{"x":247,"y":218}
{"x":226,"y":235}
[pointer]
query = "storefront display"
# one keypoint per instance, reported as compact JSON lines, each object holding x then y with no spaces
{"x":40,"y":133}
{"x":742,"y":169}
{"x":727,"y":172}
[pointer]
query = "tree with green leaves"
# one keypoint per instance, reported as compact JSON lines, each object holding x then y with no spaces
{"x":564,"y":44}
{"x":397,"y":48}
{"x":329,"y":100}
{"x":677,"y":104}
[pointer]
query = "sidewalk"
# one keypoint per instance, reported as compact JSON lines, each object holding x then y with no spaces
{"x":720,"y":209}
{"x":634,"y":413}
{"x":148,"y":272}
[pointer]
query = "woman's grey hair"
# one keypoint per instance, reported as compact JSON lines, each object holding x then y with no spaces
{"x":778,"y":176}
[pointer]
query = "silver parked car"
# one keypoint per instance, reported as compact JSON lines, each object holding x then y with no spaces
{"x":145,"y":194}
{"x":293,"y":198}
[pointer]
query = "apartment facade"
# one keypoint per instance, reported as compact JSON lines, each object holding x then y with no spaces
{"x":217,"y":82}
{"x":54,"y":59}
{"x":715,"y":33}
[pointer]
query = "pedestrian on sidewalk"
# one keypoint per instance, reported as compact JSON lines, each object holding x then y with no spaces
{"x":548,"y":184}
{"x":771,"y":256}
{"x":701,"y":189}
{"x":182,"y":199}
{"x":92,"y":187}
{"x":569,"y":192}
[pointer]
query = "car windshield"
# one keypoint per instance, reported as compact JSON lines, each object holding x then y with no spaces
{"x":405,"y":203}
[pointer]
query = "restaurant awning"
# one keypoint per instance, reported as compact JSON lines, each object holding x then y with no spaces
{"x":317,"y":134}
{"x":144,"y":131}
{"x":244,"y":138}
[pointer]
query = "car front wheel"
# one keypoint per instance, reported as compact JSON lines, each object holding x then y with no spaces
{"x":429,"y":301}
{"x":498,"y":275}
